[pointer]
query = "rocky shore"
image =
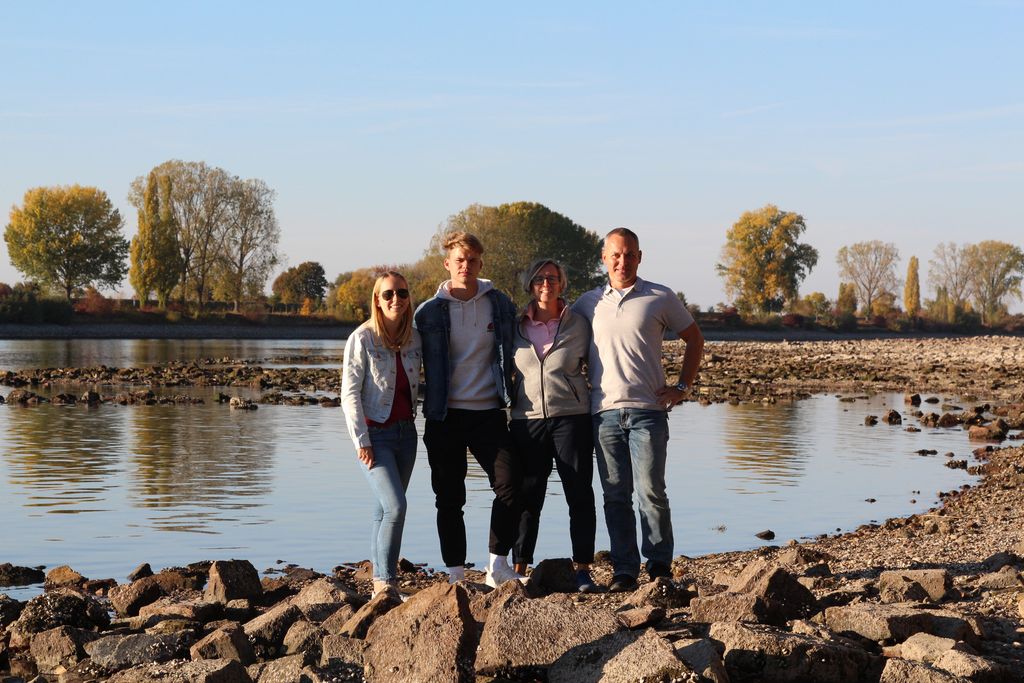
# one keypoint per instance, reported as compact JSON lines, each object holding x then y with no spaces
{"x":937,"y":596}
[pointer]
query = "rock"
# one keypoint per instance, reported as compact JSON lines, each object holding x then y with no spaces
{"x":730,"y":606}
{"x":552,"y":576}
{"x":1004,"y":558}
{"x":231,"y":580}
{"x":766,"y":535}
{"x":384,"y":602}
{"x":304,"y":637}
{"x":912,"y":399}
{"x":92,"y":398}
{"x":482,"y":597}
{"x":640,"y":617}
{"x":118,"y":652}
{"x":897,"y":622}
{"x":764,"y":653}
{"x":172,"y":608}
{"x":289,"y":669}
{"x":783,"y":595}
{"x":63,"y":577}
{"x":799,"y":556}
{"x":661,"y":592}
{"x":10,"y":610}
{"x":970,"y":666}
{"x":333,"y":623}
{"x":129,"y":598}
{"x":238,"y":403}
{"x":1007,"y":578}
{"x":870,"y":420}
{"x":948,"y":420}
{"x":59,"y":607}
{"x":171,"y":580}
{"x":202,"y":671}
{"x":11,"y":575}
{"x":924,"y":647}
{"x":554,"y":630}
{"x":936,"y":583}
{"x":893,"y":417}
{"x":905,"y":671}
{"x":59,"y":647}
{"x":342,"y":650}
{"x":227,"y":642}
{"x":431,"y":637}
{"x":623,"y":657}
{"x":140,"y":572}
{"x":266,"y":632}
{"x":703,"y":658}
{"x":323,"y":597}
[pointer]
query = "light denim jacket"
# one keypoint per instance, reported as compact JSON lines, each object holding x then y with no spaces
{"x":368,"y":379}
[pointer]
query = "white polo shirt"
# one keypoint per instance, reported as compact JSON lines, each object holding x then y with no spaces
{"x":625,"y":351}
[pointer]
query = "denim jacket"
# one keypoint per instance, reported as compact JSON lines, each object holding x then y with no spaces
{"x":434,"y":325}
{"x":368,"y":379}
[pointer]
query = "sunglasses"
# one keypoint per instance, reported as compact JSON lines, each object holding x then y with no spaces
{"x":389,"y":294}
{"x":541,"y":279}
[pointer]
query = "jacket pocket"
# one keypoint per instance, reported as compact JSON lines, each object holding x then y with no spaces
{"x":572,"y":386}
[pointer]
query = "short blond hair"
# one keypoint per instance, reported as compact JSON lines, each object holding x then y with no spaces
{"x":466,"y":240}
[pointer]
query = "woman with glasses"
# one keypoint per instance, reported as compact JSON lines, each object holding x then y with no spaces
{"x":551,"y":421}
{"x":378,"y":393}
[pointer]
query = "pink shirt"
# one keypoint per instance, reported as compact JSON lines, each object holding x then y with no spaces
{"x":541,"y":335}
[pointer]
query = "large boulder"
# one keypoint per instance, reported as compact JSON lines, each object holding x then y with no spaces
{"x":63,"y":577}
{"x":764,"y":653}
{"x":906,"y":671}
{"x":896,"y":623}
{"x":291,"y":669}
{"x":936,"y":584}
{"x":740,"y":607}
{"x":127,"y":599}
{"x":553,"y":576}
{"x":12,"y":575}
{"x":702,"y":657}
{"x":10,"y":610}
{"x":784,"y":596}
{"x":662,"y":592}
{"x":172,"y":608}
{"x":622,"y":657}
{"x":232,"y":580}
{"x":360,"y":623}
{"x":323,"y":597}
{"x":117,"y":652}
{"x":431,"y":637}
{"x":266,"y":632}
{"x":226,"y":642}
{"x":59,"y":647}
{"x":202,"y":671}
{"x":554,"y":628}
{"x":60,"y":607}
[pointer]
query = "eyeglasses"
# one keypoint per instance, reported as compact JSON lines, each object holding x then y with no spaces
{"x":389,"y":294}
{"x":538,"y":280}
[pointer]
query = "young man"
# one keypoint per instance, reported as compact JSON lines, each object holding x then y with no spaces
{"x":630,"y":400}
{"x":467,"y":330}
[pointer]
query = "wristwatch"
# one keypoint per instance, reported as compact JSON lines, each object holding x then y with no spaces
{"x":682,"y":386}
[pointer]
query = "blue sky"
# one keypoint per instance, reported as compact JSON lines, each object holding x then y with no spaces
{"x":374,"y":122}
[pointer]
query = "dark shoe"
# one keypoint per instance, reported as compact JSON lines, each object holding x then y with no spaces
{"x":585,"y":583}
{"x":656,"y":569}
{"x":622,"y":583}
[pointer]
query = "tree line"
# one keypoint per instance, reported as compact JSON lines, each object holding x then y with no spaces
{"x":205,"y":235}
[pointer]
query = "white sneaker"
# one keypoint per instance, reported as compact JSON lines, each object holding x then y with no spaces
{"x":500,"y":574}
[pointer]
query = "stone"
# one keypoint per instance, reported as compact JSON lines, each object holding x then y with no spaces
{"x":783,"y":595}
{"x":266,"y":632}
{"x":360,"y":623}
{"x":912,"y":399}
{"x":553,"y":576}
{"x":1004,"y":558}
{"x":640,"y":617}
{"x":623,"y":657}
{"x":171,"y":580}
{"x":1007,"y":578}
{"x":924,"y":647}
{"x":662,"y":592}
{"x":63,"y":577}
{"x":333,"y":623}
{"x":289,"y":669}
{"x":703,"y":658}
{"x":12,"y":575}
{"x":10,"y":610}
{"x":896,"y":623}
{"x":231,"y":580}
{"x":799,"y":556}
{"x":893,"y":417}
{"x":323,"y":597}
{"x":970,"y":666}
{"x":765,"y":653}
{"x":140,"y":572}
{"x":59,"y":647}
{"x":171,"y":608}
{"x":899,"y":588}
{"x":948,"y":420}
{"x":118,"y":652}
{"x":129,"y":598}
{"x":226,"y":642}
{"x":59,"y":607}
{"x":337,"y":649}
{"x":431,"y":637}
{"x":201,"y":671}
{"x":482,"y":598}
{"x":727,"y":606}
{"x":905,"y":671}
{"x":303,"y":636}
{"x":554,"y":630}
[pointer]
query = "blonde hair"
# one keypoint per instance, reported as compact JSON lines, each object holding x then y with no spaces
{"x":529,"y":273}
{"x":466,"y":240}
{"x":377,"y":317}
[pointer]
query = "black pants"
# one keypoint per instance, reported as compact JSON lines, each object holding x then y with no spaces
{"x":485,"y":434}
{"x":567,"y":441}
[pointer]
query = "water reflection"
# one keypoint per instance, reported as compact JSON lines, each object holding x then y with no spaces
{"x":764,"y":446}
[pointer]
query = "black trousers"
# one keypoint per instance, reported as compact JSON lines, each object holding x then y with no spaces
{"x":485,"y":434}
{"x":568,"y":442}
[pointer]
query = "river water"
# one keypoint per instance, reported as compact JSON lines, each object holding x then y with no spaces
{"x":106,"y":488}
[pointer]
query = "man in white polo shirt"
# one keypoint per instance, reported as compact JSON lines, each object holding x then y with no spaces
{"x":630,"y":401}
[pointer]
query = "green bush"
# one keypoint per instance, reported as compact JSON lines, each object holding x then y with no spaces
{"x":22,"y":306}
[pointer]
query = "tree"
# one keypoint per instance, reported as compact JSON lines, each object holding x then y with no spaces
{"x":763,"y":264}
{"x":353,"y":291}
{"x":304,"y":281}
{"x":249,"y":246}
{"x":846,"y":302}
{"x":912,"y":289}
{"x":67,"y":237}
{"x":996,"y":270}
{"x":515,"y":234}
{"x":871,"y":267}
{"x":155,"y":258}
{"x":948,"y":269}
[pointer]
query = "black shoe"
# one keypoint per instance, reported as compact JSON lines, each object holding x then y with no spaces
{"x":585,"y":583}
{"x":656,"y":569}
{"x":622,"y":583}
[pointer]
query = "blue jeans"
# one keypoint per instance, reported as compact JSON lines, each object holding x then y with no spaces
{"x":394,"y":455}
{"x":632,"y":446}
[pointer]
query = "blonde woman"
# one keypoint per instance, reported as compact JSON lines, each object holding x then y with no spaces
{"x":378,"y":394}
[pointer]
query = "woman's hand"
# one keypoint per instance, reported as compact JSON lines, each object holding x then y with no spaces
{"x":366,"y":456}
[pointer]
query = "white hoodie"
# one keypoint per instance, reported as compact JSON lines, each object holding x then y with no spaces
{"x":471,"y":349}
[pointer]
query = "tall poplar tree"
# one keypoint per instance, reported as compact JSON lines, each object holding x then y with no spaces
{"x":912,"y":289}
{"x":155,"y":255}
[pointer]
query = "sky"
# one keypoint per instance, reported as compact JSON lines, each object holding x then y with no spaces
{"x":374,"y":122}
